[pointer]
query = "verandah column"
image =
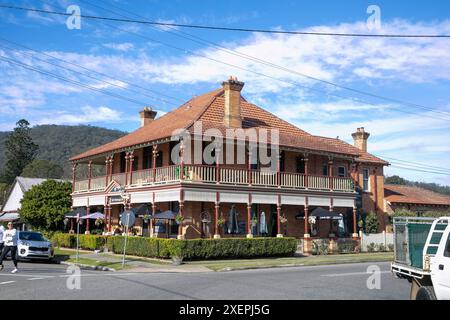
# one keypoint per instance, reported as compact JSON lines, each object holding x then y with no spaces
{"x":279,"y":234}
{"x":217,"y":150}
{"x":249,"y":216}
{"x":89,"y":174}
{"x":181,"y":213}
{"x":154,"y":155}
{"x":131,"y":160}
{"x":306,"y":160}
{"x":88,"y":211}
{"x":216,"y":216}
{"x":106,"y":171}
{"x":307,"y":244}
{"x":74,"y":172}
{"x":330,"y":173}
{"x":127,"y":162}
{"x":355,"y":231}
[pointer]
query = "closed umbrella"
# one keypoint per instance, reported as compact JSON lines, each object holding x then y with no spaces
{"x":262,"y":223}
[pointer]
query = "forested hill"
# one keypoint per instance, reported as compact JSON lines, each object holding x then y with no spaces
{"x":58,"y":143}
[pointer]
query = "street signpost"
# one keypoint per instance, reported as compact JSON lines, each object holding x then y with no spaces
{"x":78,"y":234}
{"x":128,"y":219}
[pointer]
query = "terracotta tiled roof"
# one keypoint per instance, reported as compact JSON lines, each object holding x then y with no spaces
{"x":413,"y":195}
{"x":209,"y":109}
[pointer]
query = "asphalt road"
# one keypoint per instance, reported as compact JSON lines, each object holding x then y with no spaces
{"x":347,"y":281}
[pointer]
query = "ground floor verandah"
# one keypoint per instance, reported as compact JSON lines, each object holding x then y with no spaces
{"x":225,"y":213}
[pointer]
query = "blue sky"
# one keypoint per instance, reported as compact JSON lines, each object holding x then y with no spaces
{"x":162,"y":67}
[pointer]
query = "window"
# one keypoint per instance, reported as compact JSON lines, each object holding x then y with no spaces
{"x":447,"y":248}
{"x":341,"y":172}
{"x":325,"y":169}
{"x":366,"y":175}
{"x":300,"y":165}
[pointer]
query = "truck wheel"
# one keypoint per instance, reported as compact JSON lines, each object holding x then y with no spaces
{"x":426,"y":293}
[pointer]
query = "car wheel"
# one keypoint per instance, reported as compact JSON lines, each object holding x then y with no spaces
{"x":426,"y":293}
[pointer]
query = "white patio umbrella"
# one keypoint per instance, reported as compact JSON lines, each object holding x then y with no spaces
{"x":95,"y":215}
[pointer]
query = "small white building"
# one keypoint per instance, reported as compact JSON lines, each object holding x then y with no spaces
{"x":10,"y":210}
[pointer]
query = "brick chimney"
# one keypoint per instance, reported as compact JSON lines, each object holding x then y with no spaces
{"x":232,"y":117}
{"x":360,"y":139}
{"x":147,"y":116}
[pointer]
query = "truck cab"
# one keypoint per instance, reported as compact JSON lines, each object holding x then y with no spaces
{"x":422,"y":256}
{"x":440,"y":268}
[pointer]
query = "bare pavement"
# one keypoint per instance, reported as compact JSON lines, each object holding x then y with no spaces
{"x":344,"y":281}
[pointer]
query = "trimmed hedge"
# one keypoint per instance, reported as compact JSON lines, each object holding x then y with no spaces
{"x":87,"y":242}
{"x":196,"y":249}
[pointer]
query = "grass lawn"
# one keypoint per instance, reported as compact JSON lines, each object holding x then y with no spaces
{"x":218,"y":265}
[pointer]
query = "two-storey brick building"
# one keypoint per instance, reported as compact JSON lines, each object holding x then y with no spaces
{"x":277,"y":199}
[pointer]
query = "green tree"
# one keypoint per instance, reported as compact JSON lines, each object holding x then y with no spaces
{"x":44,"y":205}
{"x":371,"y":223}
{"x":3,"y":191}
{"x":43,"y":169}
{"x":20,"y":150}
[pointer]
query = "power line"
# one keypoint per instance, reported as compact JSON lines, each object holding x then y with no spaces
{"x":418,"y":170}
{"x":265,"y":75}
{"x":90,"y":70}
{"x":206,"y":27}
{"x":199,"y":40}
{"x":419,"y":167}
{"x":81,"y":73}
{"x":417,"y":164}
{"x":77,"y":83}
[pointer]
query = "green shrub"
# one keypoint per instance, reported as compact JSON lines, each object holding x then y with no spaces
{"x":320,"y":247}
{"x":380,"y":247}
{"x":196,"y":249}
{"x":390,"y":247}
{"x":87,"y":242}
{"x":371,"y":247}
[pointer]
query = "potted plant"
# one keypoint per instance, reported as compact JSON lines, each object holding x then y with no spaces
{"x":99,"y":222}
{"x":254,"y":221}
{"x":179,"y":219}
{"x":146,"y":218}
{"x":283,"y":219}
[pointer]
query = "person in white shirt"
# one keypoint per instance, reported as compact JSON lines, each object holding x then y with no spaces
{"x":10,"y":245}
{"x":2,"y":230}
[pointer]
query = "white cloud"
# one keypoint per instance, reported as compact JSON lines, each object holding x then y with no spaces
{"x":124,"y":47}
{"x":87,"y":114}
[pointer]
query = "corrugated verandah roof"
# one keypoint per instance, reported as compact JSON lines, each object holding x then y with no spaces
{"x":209,"y":109}
{"x":414,"y":195}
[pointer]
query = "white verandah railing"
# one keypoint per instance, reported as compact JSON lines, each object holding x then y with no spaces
{"x":221,"y":175}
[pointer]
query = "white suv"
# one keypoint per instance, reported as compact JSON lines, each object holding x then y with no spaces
{"x":33,"y":245}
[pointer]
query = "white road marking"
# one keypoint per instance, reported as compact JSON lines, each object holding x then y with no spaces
{"x":7,"y":282}
{"x":32,"y":279}
{"x":349,"y":274}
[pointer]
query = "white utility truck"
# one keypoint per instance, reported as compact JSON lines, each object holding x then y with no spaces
{"x":422,"y":256}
